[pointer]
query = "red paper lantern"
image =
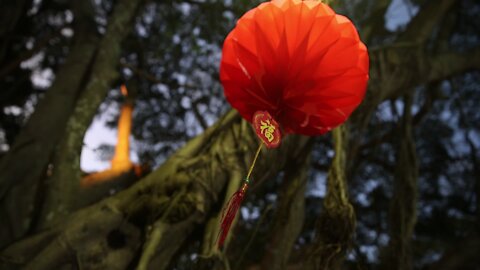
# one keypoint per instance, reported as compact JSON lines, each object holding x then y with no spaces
{"x":297,"y":60}
{"x":291,"y":63}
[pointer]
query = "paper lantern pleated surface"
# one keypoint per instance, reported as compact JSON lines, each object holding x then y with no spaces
{"x":297,"y":60}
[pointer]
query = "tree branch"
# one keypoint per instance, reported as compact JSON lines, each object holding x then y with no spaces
{"x":111,"y":228}
{"x":40,"y":44}
{"x":376,"y":21}
{"x":421,"y":26}
{"x":40,"y":135}
{"x":155,"y":237}
{"x":60,"y":197}
{"x":444,"y":66}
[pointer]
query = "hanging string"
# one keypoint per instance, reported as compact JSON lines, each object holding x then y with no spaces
{"x":254,"y":160}
{"x":231,"y":209}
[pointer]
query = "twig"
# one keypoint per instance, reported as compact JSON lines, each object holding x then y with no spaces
{"x":151,"y":77}
{"x":41,"y":44}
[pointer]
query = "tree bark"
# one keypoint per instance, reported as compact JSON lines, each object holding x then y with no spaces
{"x":148,"y":224}
{"x":421,"y":26}
{"x":376,"y":21}
{"x":399,"y":67}
{"x":65,"y":182}
{"x":25,"y":165}
{"x":201,"y":169}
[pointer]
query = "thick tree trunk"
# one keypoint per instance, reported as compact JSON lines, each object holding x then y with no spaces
{"x":63,"y":186}
{"x":175,"y":199}
{"x":146,"y":225}
{"x":27,"y":161}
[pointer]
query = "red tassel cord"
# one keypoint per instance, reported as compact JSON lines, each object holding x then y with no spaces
{"x":231,"y":209}
{"x":230,"y":212}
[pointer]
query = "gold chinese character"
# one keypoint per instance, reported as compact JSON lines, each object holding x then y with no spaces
{"x":267,"y":130}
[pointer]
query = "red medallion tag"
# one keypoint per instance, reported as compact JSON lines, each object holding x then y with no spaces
{"x":267,"y":129}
